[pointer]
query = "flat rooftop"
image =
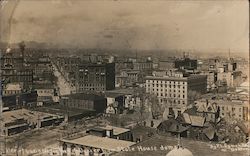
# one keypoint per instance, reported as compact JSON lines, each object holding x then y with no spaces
{"x":100,"y":142}
{"x":231,"y":102}
{"x":113,"y":94}
{"x":124,"y":91}
{"x":62,"y":110}
{"x":85,"y":96}
{"x":175,"y":78}
{"x":116,"y":130}
{"x":31,"y":116}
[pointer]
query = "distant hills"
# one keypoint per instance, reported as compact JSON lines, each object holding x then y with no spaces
{"x":123,"y":52}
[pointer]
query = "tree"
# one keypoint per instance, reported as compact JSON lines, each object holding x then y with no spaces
{"x":140,"y":92}
{"x":156,"y":108}
{"x":193,"y":96}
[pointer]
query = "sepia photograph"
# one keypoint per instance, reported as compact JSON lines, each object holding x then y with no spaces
{"x":124,"y":78}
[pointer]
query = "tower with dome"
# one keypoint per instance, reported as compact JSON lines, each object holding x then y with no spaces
{"x":179,"y":151}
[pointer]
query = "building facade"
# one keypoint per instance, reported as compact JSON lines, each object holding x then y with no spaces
{"x":211,"y":79}
{"x":173,"y":90}
{"x":95,"y":77}
{"x":186,"y":63}
{"x":85,"y":101}
{"x":233,"y":109}
{"x":12,"y":89}
{"x":14,"y":71}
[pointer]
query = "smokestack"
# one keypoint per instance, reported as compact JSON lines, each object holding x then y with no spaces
{"x":22,"y":47}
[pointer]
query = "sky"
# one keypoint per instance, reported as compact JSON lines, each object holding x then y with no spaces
{"x":140,"y":24}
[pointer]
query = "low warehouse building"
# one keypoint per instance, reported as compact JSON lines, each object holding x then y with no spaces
{"x":93,"y":145}
{"x":17,"y":121}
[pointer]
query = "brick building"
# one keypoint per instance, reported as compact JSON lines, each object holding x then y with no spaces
{"x":95,"y":77}
{"x":14,"y":71}
{"x":186,"y":63}
{"x":85,"y":101}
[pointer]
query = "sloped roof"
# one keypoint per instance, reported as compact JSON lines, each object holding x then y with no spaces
{"x":172,"y":125}
{"x":209,"y":132}
{"x":191,"y":111}
{"x":243,"y":127}
{"x":116,"y":130}
{"x":186,"y":118}
{"x":166,"y":123}
{"x":203,"y":106}
{"x":176,"y":127}
{"x":197,"y":120}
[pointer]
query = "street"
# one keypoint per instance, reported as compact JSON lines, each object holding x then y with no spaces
{"x":63,"y":86}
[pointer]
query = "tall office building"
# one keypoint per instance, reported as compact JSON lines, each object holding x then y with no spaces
{"x":173,"y":89}
{"x":95,"y":77}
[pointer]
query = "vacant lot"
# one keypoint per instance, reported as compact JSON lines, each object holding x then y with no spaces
{"x":33,"y":140}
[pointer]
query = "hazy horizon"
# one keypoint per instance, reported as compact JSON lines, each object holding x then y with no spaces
{"x":145,"y":25}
